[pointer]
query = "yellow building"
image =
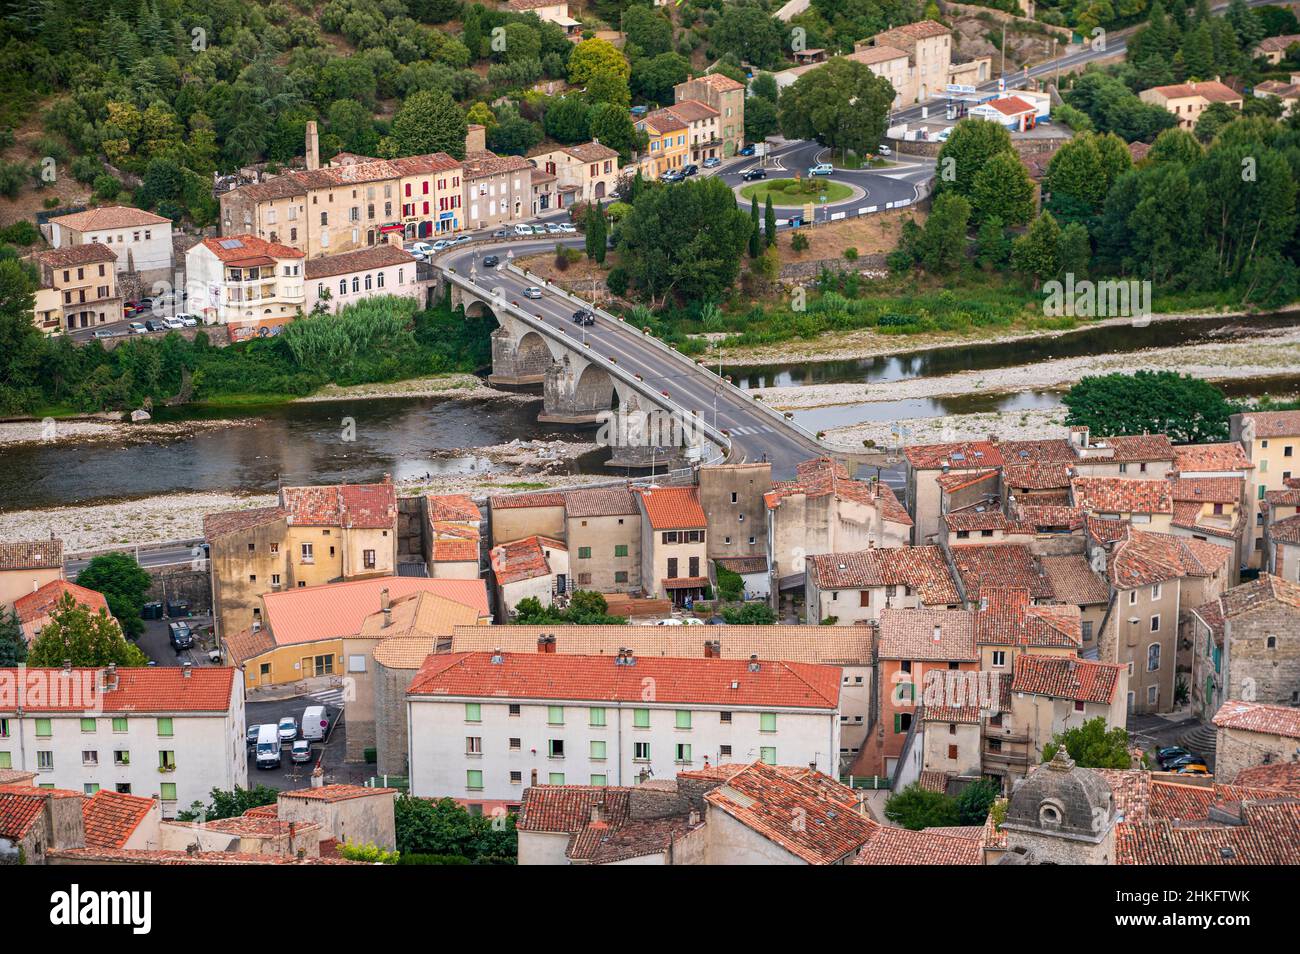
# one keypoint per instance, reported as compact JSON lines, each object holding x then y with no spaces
{"x":667,"y":149}
{"x":1272,"y":442}
{"x":1188,"y":100}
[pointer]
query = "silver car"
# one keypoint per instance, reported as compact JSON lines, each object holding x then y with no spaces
{"x":532,"y":291}
{"x":288,"y":728}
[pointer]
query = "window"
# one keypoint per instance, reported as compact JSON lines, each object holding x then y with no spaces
{"x":683,"y":718}
{"x":767,"y":754}
{"x":999,"y":657}
{"x":516,"y":778}
{"x":557,"y":778}
{"x":514,"y":709}
{"x":641,"y":752}
{"x":1153,"y":657}
{"x":1155,"y":623}
{"x":90,"y":788}
{"x":1078,"y":705}
{"x":724,"y":718}
{"x":514,"y":745}
{"x":321,"y":665}
{"x":166,"y":761}
{"x":683,"y":753}
{"x":640,"y":718}
{"x":4,"y":728}
{"x":555,"y":715}
{"x":598,"y":750}
{"x":308,"y":553}
{"x":368,"y":559}
{"x":44,"y":729}
{"x":6,"y":760}
{"x":87,"y":725}
{"x":598,"y":780}
{"x":584,"y":553}
{"x":123,"y":788}
{"x":620,"y":550}
{"x":1271,"y":642}
{"x":620,"y":576}
{"x":952,"y":752}
{"x":90,"y":758}
{"x":165,"y":728}
{"x":597,"y":718}
{"x":1153,"y":695}
{"x":864,"y":598}
{"x":473,"y":745}
{"x":1087,"y":629}
{"x":1132,"y":597}
{"x":473,"y":712}
{"x":45,"y":761}
{"x":767,"y":722}
{"x":1155,"y":592}
{"x":474,"y":779}
{"x":555,"y":748}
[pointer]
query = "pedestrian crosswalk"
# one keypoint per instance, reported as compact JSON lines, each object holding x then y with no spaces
{"x":328,"y":697}
{"x":745,"y":430}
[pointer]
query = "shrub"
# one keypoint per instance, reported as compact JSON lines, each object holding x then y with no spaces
{"x":21,"y":232}
{"x":799,"y":242}
{"x":617,"y":280}
{"x":851,"y":254}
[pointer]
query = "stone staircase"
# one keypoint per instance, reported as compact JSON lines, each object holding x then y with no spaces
{"x":1201,"y":740}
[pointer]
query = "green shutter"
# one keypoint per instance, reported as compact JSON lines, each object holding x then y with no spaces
{"x":168,"y":791}
{"x":620,"y":550}
{"x":473,"y":712}
{"x":165,"y":728}
{"x":768,"y":755}
{"x":43,"y":729}
{"x":555,"y":715}
{"x":584,"y":553}
{"x":683,"y":718}
{"x":119,"y":725}
{"x":87,"y":725}
{"x":597,"y":749}
{"x":684,"y":753}
{"x":557,"y":778}
{"x":6,"y":760}
{"x":598,"y":780}
{"x":898,"y":723}
{"x":598,"y":717}
{"x":640,"y":718}
{"x":767,"y":721}
{"x":90,"y":788}
{"x":474,"y":779}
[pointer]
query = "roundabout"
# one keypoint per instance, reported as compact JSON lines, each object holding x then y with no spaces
{"x":794,"y":193}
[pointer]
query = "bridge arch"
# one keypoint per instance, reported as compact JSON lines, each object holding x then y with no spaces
{"x":594,"y":390}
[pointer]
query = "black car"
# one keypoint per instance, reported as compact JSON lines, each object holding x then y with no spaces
{"x":491,"y":261}
{"x":672,"y":175}
{"x":181,"y":636}
{"x":690,"y":170}
{"x":749,"y":175}
{"x":584,"y":317}
{"x":153,"y":325}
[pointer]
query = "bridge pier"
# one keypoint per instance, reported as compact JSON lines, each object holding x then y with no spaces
{"x":646,"y":439}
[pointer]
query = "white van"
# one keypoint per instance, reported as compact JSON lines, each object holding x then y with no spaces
{"x":315,"y":723}
{"x":268,"y":746}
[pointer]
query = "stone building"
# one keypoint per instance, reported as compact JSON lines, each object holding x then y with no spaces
{"x":1251,"y":734}
{"x":604,"y":537}
{"x":732,"y":498}
{"x":1061,"y":814}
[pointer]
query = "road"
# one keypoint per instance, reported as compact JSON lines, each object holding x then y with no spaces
{"x":166,"y":555}
{"x":756,"y":434}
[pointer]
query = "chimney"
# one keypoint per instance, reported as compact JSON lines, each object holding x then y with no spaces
{"x":313,"y":146}
{"x":712,"y":649}
{"x":385,"y":603}
{"x":185,"y":669}
{"x":753,"y":663}
{"x":388,"y":615}
{"x":318,"y":777}
{"x":598,"y":812}
{"x":110,"y":677}
{"x":938,"y":633}
{"x":67,"y":665}
{"x":546,"y":643}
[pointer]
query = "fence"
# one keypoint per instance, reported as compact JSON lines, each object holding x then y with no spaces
{"x":872,"y":782}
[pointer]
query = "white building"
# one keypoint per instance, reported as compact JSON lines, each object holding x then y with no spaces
{"x":484,"y":726}
{"x":171,"y":733}
{"x":140,"y":239}
{"x":535,"y":567}
{"x":245,"y":281}
{"x":340,"y":280}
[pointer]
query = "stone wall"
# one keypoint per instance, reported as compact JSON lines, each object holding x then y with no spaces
{"x":1274,"y":673}
{"x":390,"y":719}
{"x":181,"y":584}
{"x":410,"y":529}
{"x":869,"y":266}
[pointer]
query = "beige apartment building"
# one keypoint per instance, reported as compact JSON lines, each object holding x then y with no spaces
{"x":248,"y":284}
{"x":703,"y":128}
{"x":498,"y":189}
{"x":603,"y":529}
{"x":25,"y":567}
{"x":1272,"y":443}
{"x":142,"y":241}
{"x":674,"y":545}
{"x":725,"y":95}
{"x":84,"y":277}
{"x":917,"y":59}
{"x":1188,"y":100}
{"x":587,"y":172}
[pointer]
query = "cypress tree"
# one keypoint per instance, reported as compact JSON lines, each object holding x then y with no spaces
{"x":769,"y":221}
{"x":754,"y":236}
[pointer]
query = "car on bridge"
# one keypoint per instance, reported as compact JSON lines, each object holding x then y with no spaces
{"x":491,"y":261}
{"x":532,"y":291}
{"x":749,"y":175}
{"x":821,"y":169}
{"x":523,"y":230}
{"x":584,"y":317}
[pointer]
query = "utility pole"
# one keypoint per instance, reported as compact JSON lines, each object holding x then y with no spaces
{"x":1004,"y":48}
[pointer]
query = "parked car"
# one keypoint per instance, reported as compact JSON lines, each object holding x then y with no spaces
{"x":532,"y":291}
{"x":491,"y":261}
{"x":458,"y":240}
{"x":690,"y":170}
{"x":747,"y":151}
{"x":501,"y":233}
{"x":523,"y":229}
{"x":672,"y":175}
{"x":553,"y":228}
{"x":884,"y":150}
{"x":749,"y":175}
{"x":251,"y":735}
{"x":1174,"y":764}
{"x":441,"y":244}
{"x":102,"y":333}
{"x":712,"y":162}
{"x":568,"y":228}
{"x":288,"y":728}
{"x":1171,"y":752}
{"x":154,"y":324}
{"x":424,"y":248}
{"x":821,"y":169}
{"x":315,"y":723}
{"x":137,"y":328}
{"x":182,"y":637}
{"x":1192,"y":768}
{"x":300,"y":751}
{"x":188,"y":320}
{"x":173,"y":322}
{"x":267,"y":749}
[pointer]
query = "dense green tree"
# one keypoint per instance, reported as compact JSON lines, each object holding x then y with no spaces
{"x":1188,"y":409}
{"x":751,"y":614}
{"x":755,"y":232}
{"x":842,"y":105}
{"x":613,"y":127}
{"x":648,"y":29}
{"x":441,"y":827}
{"x":231,"y":804}
{"x":1176,"y":145}
{"x":654,"y":79}
{"x":85,"y":638}
{"x":596,"y":57}
{"x":769,"y":221}
{"x":748,"y":32}
{"x":428,"y":121}
{"x":1092,"y":745}
{"x":764,"y":86}
{"x":567,"y":120}
{"x":974,"y":802}
{"x":1036,"y":253}
{"x":1074,"y":252}
{"x":13,"y":645}
{"x":992,"y":246}
{"x":597,"y":236}
{"x":1002,"y":189}
{"x":971,"y":145}
{"x":760,"y":119}
{"x":942,"y":247}
{"x":915,"y":808}
{"x":124,"y":584}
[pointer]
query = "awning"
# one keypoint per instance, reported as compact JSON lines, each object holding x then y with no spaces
{"x":685,"y":582}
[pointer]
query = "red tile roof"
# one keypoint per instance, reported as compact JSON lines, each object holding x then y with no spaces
{"x":1122,"y":495}
{"x":22,"y":805}
{"x":1211,"y":458}
{"x":159,"y":689}
{"x":336,"y":793}
{"x":31,"y":555}
{"x":961,"y":479}
{"x":513,"y":501}
{"x":910,"y":634}
{"x":673,"y":508}
{"x":962,"y":455}
{"x":899,"y":846}
{"x":1073,"y":580}
{"x":1212,"y":90}
{"x":599,"y":822}
{"x":1006,"y":618}
{"x":1133,"y":448}
{"x":359,"y":506}
{"x":1063,"y":677}
{"x":73,"y":255}
{"x":1274,"y":423}
{"x":108,"y":217}
{"x":361,"y":260}
{"x":1146,"y":558}
{"x":601,"y":502}
{"x":998,"y":565}
{"x":111,"y":818}
{"x":1280,"y":777}
{"x":1269,"y":835}
{"x":600,"y":678}
{"x":1012,"y":106}
{"x":217,"y":525}
{"x":923,"y":569}
{"x":41,"y":603}
{"x":524,"y":559}
{"x":1036,"y":475}
{"x":1208,"y":489}
{"x":1052,"y":450}
{"x":1256,"y":717}
{"x":232,"y":249}
{"x":822,"y":477}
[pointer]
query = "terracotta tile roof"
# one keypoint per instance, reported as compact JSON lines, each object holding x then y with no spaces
{"x":1276,"y":44}
{"x":1122,"y":495}
{"x":743,"y":564}
{"x":961,"y":479}
{"x":419,"y":614}
{"x":111,"y":818}
{"x":982,"y":517}
{"x":362,"y":260}
{"x":481,"y":165}
{"x":1285,"y":531}
{"x":909,"y":634}
{"x":601,"y":502}
{"x":1052,"y":450}
{"x":1040,"y":518}
{"x":1211,"y":90}
{"x":1036,"y":475}
{"x":1141,"y":447}
{"x":33,"y":555}
{"x":1279,"y":777}
{"x":1073,"y":580}
{"x":673,"y":508}
{"x":599,"y":678}
{"x":361,"y":506}
{"x":1256,"y":717}
{"x":1269,"y":835}
{"x":70,"y":256}
{"x":1274,"y":423}
{"x":425,"y":164}
{"x":568,"y":808}
{"x":822,"y":477}
{"x":22,"y":805}
{"x":524,"y":559}
{"x":1012,"y":106}
{"x":880,"y":53}
{"x":963,"y":455}
{"x":923,"y":569}
{"x":590,"y":151}
{"x":121,"y":856}
{"x":692,"y":111}
{"x":1062,"y":677}
{"x":599,"y":822}
{"x":404,"y":652}
{"x":1211,"y":614}
{"x":1211,"y":458}
{"x":1104,"y":530}
{"x":1208,"y":489}
{"x":307,"y":614}
{"x":451,"y":507}
{"x":1286,"y":497}
{"x":153,"y":689}
{"x":336,"y":793}
{"x":232,"y":249}
{"x":108,"y":217}
{"x":720,"y":83}
{"x":40,"y":604}
{"x":998,"y":565}
{"x":1146,"y":558}
{"x":933,"y":781}
{"x":1006,"y":618}
{"x":263,"y":811}
{"x":831,"y":645}
{"x":454,"y":551}
{"x":1187,"y":516}
{"x":247,"y":644}
{"x":513,"y":501}
{"x":217,"y":525}
{"x":899,"y":846}
{"x":764,"y":799}
{"x":961,"y":715}
{"x":971,"y":832}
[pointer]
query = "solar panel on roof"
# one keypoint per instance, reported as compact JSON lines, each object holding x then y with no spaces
{"x":232,"y":243}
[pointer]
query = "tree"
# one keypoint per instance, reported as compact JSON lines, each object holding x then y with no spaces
{"x":764,"y":87}
{"x":428,"y":121}
{"x":647,"y":29}
{"x":1188,"y":409}
{"x":842,"y":105}
{"x":513,"y":136}
{"x":992,"y":247}
{"x":749,"y":33}
{"x":1212,"y":119}
{"x":1002,"y":189}
{"x":1035,"y":254}
{"x":596,"y":235}
{"x":13,"y":645}
{"x":971,"y":145}
{"x":916,"y":808}
{"x":654,"y":79}
{"x":769,"y":221}
{"x":1074,"y":251}
{"x":440,"y":827}
{"x":942,"y":247}
{"x":1092,"y":745}
{"x":760,"y":119}
{"x":87,"y":639}
{"x":608,"y":88}
{"x":596,"y":57}
{"x":751,"y":614}
{"x":613,"y":127}
{"x":230,"y":804}
{"x":974,"y":802}
{"x":124,"y":584}
{"x":755,"y":234}
{"x":567,"y":120}
{"x":586,"y":608}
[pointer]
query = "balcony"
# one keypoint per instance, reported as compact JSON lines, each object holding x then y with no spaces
{"x":1005,"y":735}
{"x":1004,"y":757}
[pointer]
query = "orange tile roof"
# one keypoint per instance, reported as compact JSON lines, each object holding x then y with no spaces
{"x":235,"y":248}
{"x":1012,"y":106}
{"x":1036,"y":475}
{"x":360,"y":506}
{"x":73,"y":255}
{"x":900,"y":846}
{"x":1122,"y":495}
{"x":720,"y":82}
{"x":1256,"y":717}
{"x":600,"y":678}
{"x":997,"y":565}
{"x":152,"y":689}
{"x":334,"y":610}
{"x":673,"y":508}
{"x":962,"y":455}
{"x":217,"y":525}
{"x":111,"y":818}
{"x":1269,"y":834}
{"x":822,"y":476}
{"x":1063,"y":677}
{"x":108,"y":217}
{"x":1145,"y":558}
{"x":1074,"y":581}
{"x":1006,"y":618}
{"x":1212,"y":90}
{"x":541,"y":499}
{"x":336,"y":793}
{"x":31,"y":555}
{"x":1051,"y":450}
{"x":1141,"y":447}
{"x":41,"y":603}
{"x":910,"y":634}
{"x":1280,"y":777}
{"x":601,"y":502}
{"x":451,"y":507}
{"x":1203,"y":458}
{"x":22,"y":805}
{"x":921,"y":568}
{"x":525,"y":559}
{"x":1274,"y":423}
{"x":961,"y":479}
{"x":1208,"y":489}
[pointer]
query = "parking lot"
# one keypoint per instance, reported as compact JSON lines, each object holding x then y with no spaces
{"x":329,"y":752}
